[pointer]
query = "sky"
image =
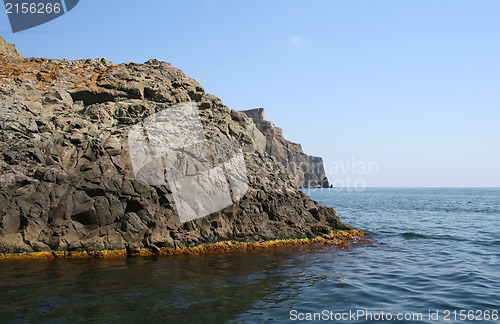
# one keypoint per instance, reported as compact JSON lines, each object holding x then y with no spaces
{"x":390,"y":93}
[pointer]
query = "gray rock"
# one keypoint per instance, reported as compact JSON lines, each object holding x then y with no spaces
{"x":66,"y":176}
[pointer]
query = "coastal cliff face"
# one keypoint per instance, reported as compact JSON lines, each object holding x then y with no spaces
{"x":66,"y":176}
{"x":308,"y":170}
{"x":8,"y":50}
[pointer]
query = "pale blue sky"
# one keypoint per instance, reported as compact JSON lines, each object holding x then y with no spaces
{"x":411,"y":85}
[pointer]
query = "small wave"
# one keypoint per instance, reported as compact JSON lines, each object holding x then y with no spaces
{"x":488,"y":243}
{"x":413,"y":235}
{"x":447,"y":237}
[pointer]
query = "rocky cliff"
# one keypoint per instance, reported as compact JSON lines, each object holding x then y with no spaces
{"x":308,"y":170}
{"x":8,"y":50}
{"x":66,"y":176}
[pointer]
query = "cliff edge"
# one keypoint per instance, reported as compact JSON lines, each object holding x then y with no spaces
{"x":66,"y":179}
{"x":8,"y":50}
{"x":308,"y":170}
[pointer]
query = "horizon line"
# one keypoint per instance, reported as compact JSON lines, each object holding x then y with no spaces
{"x":409,"y":187}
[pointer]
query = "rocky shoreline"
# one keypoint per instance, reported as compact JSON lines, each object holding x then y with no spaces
{"x":66,"y":179}
{"x":338,"y":239}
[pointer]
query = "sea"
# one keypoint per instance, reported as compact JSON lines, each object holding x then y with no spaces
{"x":430,"y":256}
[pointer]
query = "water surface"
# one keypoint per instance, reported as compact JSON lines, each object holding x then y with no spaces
{"x":429,"y":249}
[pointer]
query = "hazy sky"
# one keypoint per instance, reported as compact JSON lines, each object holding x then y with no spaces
{"x":412,"y":87}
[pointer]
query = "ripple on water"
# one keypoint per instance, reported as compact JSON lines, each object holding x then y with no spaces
{"x":428,"y":249}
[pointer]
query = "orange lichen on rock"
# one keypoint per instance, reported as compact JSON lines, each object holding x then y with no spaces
{"x":339,"y":239}
{"x":44,"y":73}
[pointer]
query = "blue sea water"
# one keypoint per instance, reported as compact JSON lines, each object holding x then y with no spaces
{"x":432,"y":256}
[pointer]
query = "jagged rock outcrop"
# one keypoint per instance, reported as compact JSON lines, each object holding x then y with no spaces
{"x":308,"y":170}
{"x":8,"y":50}
{"x":66,"y":179}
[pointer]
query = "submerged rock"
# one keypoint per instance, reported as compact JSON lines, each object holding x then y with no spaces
{"x":66,"y":178}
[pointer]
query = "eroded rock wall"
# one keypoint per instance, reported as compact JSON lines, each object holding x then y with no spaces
{"x":66,"y":179}
{"x":308,"y":170}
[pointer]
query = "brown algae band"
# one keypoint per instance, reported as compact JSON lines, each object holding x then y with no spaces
{"x":339,"y":239}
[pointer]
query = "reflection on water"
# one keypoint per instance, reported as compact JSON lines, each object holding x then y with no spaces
{"x":434,"y":249}
{"x":212,"y":289}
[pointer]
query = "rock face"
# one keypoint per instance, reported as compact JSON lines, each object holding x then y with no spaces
{"x":66,"y":179}
{"x":308,"y":170}
{"x":8,"y":50}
